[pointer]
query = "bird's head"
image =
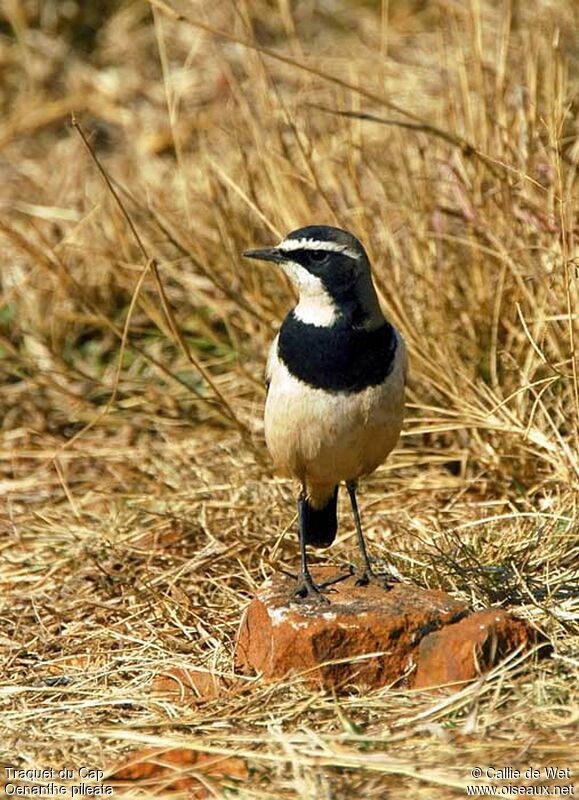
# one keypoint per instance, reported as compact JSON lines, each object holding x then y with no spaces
{"x":331,"y":271}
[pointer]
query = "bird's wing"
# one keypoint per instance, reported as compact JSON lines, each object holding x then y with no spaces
{"x":271,"y":359}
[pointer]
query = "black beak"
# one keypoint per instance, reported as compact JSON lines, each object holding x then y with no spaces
{"x":267,"y":254}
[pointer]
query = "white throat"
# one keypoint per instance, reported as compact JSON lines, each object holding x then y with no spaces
{"x":319,"y":310}
{"x":315,"y":306}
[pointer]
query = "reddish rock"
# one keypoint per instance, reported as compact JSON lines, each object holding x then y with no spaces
{"x":190,"y":686}
{"x":367,"y":633}
{"x":179,"y":770}
{"x":77,"y":662}
{"x":369,"y":637}
{"x":462,"y":651}
{"x":159,"y":539}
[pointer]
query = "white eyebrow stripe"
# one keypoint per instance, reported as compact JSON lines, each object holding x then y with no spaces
{"x":287,"y":245}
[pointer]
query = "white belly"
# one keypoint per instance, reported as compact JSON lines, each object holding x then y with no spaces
{"x":322,"y":438}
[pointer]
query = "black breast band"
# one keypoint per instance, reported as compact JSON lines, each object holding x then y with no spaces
{"x":339,"y":358}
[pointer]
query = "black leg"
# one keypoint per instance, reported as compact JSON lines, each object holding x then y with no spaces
{"x":307,"y":587}
{"x":367,"y":571}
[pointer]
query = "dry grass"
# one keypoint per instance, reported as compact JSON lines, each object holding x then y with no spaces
{"x":138,"y":511}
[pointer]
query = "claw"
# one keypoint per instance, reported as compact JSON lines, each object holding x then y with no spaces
{"x":310,"y":590}
{"x":337,"y":578}
{"x":369,"y":577}
{"x":289,"y":574}
{"x":364,"y":579}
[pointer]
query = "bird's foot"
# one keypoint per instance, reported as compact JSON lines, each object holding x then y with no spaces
{"x":309,"y":590}
{"x":367,"y":577}
{"x":289,"y":574}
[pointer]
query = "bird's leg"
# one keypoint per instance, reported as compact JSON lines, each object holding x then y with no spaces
{"x":306,"y":587}
{"x":367,"y":571}
{"x":367,"y":574}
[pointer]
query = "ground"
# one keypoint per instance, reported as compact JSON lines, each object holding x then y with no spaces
{"x":143,"y":147}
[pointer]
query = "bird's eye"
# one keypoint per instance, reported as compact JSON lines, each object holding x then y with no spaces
{"x":319,"y":256}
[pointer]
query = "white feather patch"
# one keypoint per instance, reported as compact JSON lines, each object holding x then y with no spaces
{"x":315,"y":306}
{"x":287,"y":245}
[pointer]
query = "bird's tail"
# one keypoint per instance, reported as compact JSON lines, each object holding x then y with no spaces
{"x":321,"y":524}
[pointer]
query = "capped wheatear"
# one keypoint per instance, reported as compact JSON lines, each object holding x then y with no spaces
{"x":336,"y":374}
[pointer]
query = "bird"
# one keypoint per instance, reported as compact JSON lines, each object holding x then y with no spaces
{"x":335,"y":376}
